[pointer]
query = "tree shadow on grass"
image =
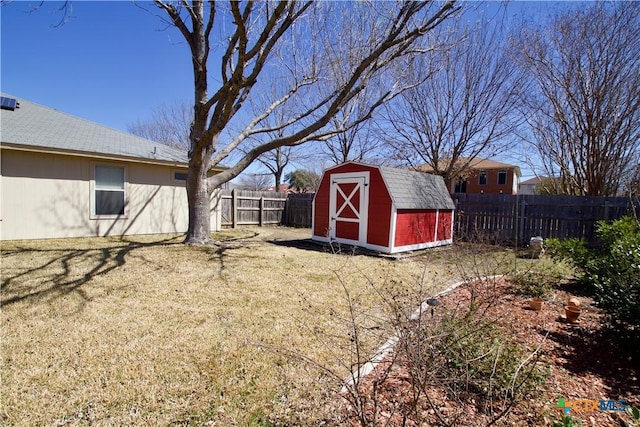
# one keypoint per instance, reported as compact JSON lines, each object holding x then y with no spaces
{"x":55,"y":275}
{"x":334,"y":247}
{"x":302,"y":244}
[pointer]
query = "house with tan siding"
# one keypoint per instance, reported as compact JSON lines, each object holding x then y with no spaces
{"x":62,"y":176}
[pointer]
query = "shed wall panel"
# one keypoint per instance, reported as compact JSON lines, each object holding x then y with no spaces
{"x":415,"y":226}
{"x":445,"y":221}
{"x":380,"y":208}
{"x":321,"y":208}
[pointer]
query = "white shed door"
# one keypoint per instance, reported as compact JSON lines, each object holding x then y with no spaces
{"x":348,"y":205}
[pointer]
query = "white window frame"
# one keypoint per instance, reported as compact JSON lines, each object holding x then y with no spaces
{"x":94,"y":188}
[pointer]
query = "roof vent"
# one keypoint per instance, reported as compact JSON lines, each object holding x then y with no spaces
{"x":9,"y":103}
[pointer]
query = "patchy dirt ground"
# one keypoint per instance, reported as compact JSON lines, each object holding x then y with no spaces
{"x":582,"y":364}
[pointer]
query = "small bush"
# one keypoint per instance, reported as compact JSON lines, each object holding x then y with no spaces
{"x":472,"y":359}
{"x":615,"y":272}
{"x":612,"y":271}
{"x":479,"y":358}
{"x":536,"y":282}
{"x":574,"y":251}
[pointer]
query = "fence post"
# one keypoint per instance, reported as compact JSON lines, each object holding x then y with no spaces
{"x":234,"y":209}
{"x":261,"y":211}
{"x":606,"y":210}
{"x":284,"y":218}
{"x":455,"y":220}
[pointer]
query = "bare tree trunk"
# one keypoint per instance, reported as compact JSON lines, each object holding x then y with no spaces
{"x":278,"y":178}
{"x":199,"y":199}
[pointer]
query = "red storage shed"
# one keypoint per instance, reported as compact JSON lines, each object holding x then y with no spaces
{"x":380,"y":208}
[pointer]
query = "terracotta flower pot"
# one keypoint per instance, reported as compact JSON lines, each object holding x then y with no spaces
{"x":572,"y":313}
{"x":536,"y":303}
{"x":573,"y":301}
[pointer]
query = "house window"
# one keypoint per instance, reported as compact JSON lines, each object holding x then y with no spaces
{"x":109,"y":198}
{"x":179,"y":176}
{"x":502,"y":177}
{"x":461,"y":186}
{"x":483,"y":178}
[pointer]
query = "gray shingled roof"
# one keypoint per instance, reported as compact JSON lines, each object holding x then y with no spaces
{"x":416,"y":190}
{"x":38,"y":127}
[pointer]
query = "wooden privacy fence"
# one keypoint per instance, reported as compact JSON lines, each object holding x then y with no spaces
{"x":241,"y":207}
{"x":515,"y":219}
{"x":491,"y":217}
{"x":298,"y":211}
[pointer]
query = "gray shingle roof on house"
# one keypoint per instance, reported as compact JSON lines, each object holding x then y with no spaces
{"x":416,"y":190}
{"x":37,"y":127}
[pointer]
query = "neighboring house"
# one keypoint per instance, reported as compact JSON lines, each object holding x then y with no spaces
{"x":284,"y":188}
{"x":383,"y":209}
{"x":530,"y":186}
{"x":482,"y":176}
{"x":63,"y":176}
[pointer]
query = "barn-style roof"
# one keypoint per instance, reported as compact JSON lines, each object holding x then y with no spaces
{"x":35,"y":127}
{"x":416,"y":190}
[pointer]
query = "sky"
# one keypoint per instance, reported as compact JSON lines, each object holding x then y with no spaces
{"x":111,"y":62}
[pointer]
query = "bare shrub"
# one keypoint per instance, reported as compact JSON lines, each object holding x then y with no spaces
{"x":457,"y":353}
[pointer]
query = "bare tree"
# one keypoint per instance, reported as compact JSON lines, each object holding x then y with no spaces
{"x":255,"y":181}
{"x":276,"y":161}
{"x":583,"y":110}
{"x":279,"y":158}
{"x":352,"y":140}
{"x":632,"y":182}
{"x":169,"y":125}
{"x":248,"y":35}
{"x":358,"y":143}
{"x":461,"y":106}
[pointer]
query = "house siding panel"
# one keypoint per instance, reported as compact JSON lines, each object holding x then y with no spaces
{"x":49,"y":196}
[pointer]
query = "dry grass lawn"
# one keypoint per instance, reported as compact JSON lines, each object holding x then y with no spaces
{"x":148,"y":331}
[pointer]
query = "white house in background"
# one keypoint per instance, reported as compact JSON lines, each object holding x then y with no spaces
{"x":530,"y":186}
{"x":63,"y":176}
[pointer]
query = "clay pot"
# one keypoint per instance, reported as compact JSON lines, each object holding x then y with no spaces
{"x":573,"y":302}
{"x":572,"y":313}
{"x":536,"y":303}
